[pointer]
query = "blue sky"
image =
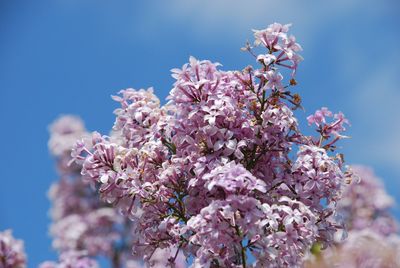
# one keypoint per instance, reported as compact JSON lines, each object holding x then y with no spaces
{"x":69,"y":56}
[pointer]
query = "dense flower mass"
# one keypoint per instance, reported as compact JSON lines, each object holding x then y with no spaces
{"x":12,"y":254}
{"x":212,"y":173}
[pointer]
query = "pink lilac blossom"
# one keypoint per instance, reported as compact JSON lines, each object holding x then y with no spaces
{"x":373,"y":240}
{"x":84,"y":227}
{"x":362,"y":249}
{"x":211,"y":174}
{"x":81,"y":223}
{"x":328,"y":130}
{"x":64,"y":132}
{"x":366,"y":204}
{"x":368,"y":249}
{"x":276,"y":39}
{"x":12,"y":253}
{"x":71,"y":259}
{"x":161,"y":259}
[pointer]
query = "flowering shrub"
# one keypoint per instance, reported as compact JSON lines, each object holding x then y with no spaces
{"x":219,"y":176}
{"x":211,"y":172}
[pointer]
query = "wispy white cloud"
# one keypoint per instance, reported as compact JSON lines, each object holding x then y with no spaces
{"x":234,"y":18}
{"x":375,"y":105}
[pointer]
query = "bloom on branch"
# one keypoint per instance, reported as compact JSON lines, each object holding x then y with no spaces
{"x":212,"y":174}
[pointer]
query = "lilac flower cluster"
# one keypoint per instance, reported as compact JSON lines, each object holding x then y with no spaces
{"x":12,"y":254}
{"x":368,"y":249}
{"x":366,"y":205}
{"x":211,"y":174}
{"x":72,"y":259}
{"x":373,"y":240}
{"x":329,"y":131}
{"x":83,"y":226}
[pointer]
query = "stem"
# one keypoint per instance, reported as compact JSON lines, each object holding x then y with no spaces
{"x":243,"y":249}
{"x":331,"y":143}
{"x":243,"y":255}
{"x":172,"y":261}
{"x":116,"y":260}
{"x":321,"y":140}
{"x":3,"y":260}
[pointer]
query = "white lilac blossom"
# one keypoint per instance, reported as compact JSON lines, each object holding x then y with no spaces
{"x":213,"y":174}
{"x":12,"y":253}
